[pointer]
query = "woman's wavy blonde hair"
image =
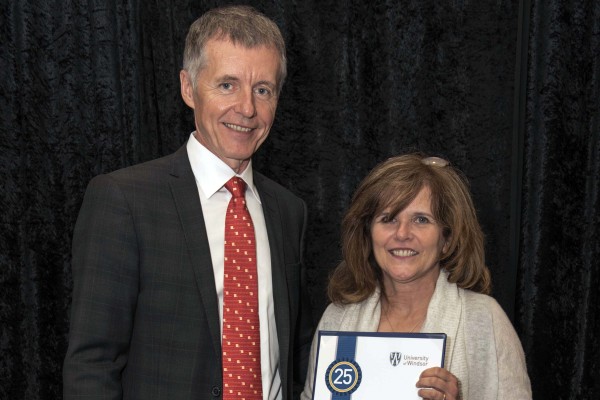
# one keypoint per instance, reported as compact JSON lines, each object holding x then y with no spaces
{"x":394,"y":184}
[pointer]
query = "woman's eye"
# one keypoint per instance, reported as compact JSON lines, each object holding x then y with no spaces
{"x":386,"y":219}
{"x":421,"y":220}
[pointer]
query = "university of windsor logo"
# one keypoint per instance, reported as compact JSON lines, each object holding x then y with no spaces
{"x":395,"y":357}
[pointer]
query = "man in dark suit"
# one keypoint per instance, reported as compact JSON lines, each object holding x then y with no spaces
{"x":148,"y":246}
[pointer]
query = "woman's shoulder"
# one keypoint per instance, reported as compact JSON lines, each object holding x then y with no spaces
{"x":482,"y":309}
{"x":333,"y":316}
{"x":479,"y":302}
{"x":354,"y":316}
{"x":336,"y":311}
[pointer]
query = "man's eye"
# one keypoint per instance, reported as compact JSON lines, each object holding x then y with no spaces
{"x":226,"y":85}
{"x":264,"y":92}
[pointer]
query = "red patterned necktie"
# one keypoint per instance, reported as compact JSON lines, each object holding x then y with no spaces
{"x":241,"y":330}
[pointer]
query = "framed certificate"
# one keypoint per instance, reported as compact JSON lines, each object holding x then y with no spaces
{"x":372,"y":365}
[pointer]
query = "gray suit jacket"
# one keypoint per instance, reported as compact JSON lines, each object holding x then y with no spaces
{"x":144,"y":317}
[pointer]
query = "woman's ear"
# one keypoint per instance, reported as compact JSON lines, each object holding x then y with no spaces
{"x":446,"y":245}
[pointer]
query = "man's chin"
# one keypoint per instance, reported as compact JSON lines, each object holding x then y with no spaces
{"x":238,"y":164}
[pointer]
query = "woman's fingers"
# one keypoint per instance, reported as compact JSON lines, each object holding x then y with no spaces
{"x":438,"y":384}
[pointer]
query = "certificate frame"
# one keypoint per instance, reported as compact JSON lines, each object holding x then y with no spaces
{"x":366,"y":365}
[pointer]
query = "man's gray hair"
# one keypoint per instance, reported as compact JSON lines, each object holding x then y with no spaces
{"x":242,"y":25}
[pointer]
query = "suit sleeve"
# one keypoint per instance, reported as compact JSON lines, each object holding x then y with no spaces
{"x":305,"y":328}
{"x":308,"y":389}
{"x":105,"y":287}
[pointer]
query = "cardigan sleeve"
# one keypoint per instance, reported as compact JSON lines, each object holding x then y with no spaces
{"x":495,"y":357}
{"x":513,"y":381}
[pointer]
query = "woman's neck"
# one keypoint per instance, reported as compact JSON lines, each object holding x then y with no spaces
{"x":404,"y":306}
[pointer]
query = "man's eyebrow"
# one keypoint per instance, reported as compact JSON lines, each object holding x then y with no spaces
{"x":267,"y":83}
{"x":228,"y":78}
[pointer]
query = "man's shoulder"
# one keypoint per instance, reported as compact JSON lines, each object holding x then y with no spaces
{"x":264,"y":183}
{"x":148,"y":175}
{"x":152,"y":169}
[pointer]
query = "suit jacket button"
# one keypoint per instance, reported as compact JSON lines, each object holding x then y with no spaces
{"x":216,"y":391}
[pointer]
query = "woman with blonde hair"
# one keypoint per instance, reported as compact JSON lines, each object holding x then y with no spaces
{"x":413,"y":261}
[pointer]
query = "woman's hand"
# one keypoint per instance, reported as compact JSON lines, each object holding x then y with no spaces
{"x":438,"y":384}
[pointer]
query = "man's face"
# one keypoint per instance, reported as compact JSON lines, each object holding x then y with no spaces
{"x":235,"y":99}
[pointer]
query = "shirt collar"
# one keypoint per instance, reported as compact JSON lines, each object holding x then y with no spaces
{"x":212,"y":173}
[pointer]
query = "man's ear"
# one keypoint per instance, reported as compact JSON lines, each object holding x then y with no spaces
{"x":187,"y":90}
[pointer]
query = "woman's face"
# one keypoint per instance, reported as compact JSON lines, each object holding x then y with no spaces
{"x":407,"y":246}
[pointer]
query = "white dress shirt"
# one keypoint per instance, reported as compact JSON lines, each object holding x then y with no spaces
{"x":211,"y":173}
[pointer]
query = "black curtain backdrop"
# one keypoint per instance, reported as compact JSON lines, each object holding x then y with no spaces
{"x":508,"y":91}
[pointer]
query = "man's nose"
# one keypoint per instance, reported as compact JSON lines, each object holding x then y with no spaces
{"x":246,"y":105}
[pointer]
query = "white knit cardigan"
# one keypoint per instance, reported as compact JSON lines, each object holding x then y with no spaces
{"x":482,"y":348}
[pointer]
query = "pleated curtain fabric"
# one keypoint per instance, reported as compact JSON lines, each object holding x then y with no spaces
{"x":241,"y":329}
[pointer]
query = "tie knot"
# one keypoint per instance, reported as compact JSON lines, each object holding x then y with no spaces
{"x":236,"y":186}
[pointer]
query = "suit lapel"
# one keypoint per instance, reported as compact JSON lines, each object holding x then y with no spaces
{"x":185,"y":194}
{"x":280,"y":287}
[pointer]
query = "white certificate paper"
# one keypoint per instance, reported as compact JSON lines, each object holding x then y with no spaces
{"x":366,"y":365}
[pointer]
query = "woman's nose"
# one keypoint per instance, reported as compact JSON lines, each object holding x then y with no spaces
{"x":402,"y":230}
